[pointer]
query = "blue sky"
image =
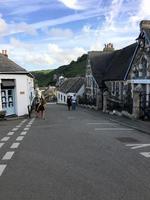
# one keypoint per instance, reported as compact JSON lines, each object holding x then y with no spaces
{"x":45,"y":34}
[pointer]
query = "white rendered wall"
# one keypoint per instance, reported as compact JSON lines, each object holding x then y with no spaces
{"x":0,"y":97}
{"x":79,"y":93}
{"x":22,"y":91}
{"x":59,"y":97}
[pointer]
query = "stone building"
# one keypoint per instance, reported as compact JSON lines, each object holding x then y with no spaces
{"x":124,"y":73}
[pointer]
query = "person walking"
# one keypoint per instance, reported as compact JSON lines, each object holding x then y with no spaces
{"x":74,"y":102}
{"x":41,"y":108}
{"x":37,"y":102}
{"x":69,"y":102}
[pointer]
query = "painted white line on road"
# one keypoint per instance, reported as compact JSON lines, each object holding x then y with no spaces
{"x":24,"y":121}
{"x":137,"y":146}
{"x":18,"y":126}
{"x":14,"y":129}
{"x":71,"y":117}
{"x":15,"y":145}
{"x":2,"y":168}
{"x":10,"y":133}
{"x":100,"y":123}
{"x":113,"y":129}
{"x":23,"y":133}
{"x":28,"y":126}
{"x":4,"y":139}
{"x":145,"y":154}
{"x":8,"y":155}
{"x":26,"y":129}
{"x":1,"y":144}
{"x":19,"y":138}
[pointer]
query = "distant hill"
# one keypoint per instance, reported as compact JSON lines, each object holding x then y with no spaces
{"x":75,"y":68}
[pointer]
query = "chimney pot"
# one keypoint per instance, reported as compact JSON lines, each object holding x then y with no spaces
{"x":145,"y":24}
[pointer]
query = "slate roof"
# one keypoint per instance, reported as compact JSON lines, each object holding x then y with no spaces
{"x":99,"y":64}
{"x":71,"y":85}
{"x":120,"y":63}
{"x":111,"y":65}
{"x":7,"y":66}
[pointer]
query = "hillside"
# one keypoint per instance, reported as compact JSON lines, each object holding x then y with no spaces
{"x":75,"y":68}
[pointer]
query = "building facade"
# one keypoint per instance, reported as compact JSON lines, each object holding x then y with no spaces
{"x":70,"y":87}
{"x":124,"y":74}
{"x":16,"y":87}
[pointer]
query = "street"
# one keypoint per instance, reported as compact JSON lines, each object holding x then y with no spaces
{"x":73,"y":155}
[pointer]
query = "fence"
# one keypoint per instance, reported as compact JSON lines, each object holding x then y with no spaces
{"x":145,"y":105}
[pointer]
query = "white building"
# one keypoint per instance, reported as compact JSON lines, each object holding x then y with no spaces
{"x":70,"y":87}
{"x":16,"y":87}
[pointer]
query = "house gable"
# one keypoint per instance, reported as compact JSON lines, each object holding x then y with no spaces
{"x":140,"y":65}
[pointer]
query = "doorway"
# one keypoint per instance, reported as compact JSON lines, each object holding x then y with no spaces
{"x":8,"y":103}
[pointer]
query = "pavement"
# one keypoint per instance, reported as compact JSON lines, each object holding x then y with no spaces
{"x":137,"y":124}
{"x":142,"y":126}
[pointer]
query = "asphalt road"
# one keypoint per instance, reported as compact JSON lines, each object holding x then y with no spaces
{"x":73,"y":155}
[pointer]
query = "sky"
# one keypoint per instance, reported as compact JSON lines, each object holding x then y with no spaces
{"x":45,"y":34}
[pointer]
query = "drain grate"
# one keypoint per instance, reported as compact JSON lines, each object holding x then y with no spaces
{"x":127,"y":139}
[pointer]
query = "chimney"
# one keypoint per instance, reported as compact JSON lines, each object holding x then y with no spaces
{"x":4,"y":52}
{"x":144,"y":24}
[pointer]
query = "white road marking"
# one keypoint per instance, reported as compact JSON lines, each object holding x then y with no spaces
{"x":24,"y":121}
{"x":29,"y":125}
{"x":113,"y":129}
{"x":19,"y":138}
{"x":23,"y":133}
{"x":145,"y":154}
{"x":15,"y":145}
{"x":71,"y":117}
{"x":96,"y":123}
{"x":26,"y":129}
{"x":10,"y":133}
{"x":137,"y":146}
{"x":2,"y":167}
{"x":1,"y":144}
{"x":4,"y":139}
{"x":8,"y":155}
{"x":18,"y":126}
{"x":14,"y":129}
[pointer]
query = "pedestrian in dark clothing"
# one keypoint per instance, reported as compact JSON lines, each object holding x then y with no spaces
{"x":41,"y":108}
{"x":74,"y":102}
{"x":36,"y":106}
{"x":69,"y":102}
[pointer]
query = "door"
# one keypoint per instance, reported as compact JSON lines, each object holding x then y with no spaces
{"x":8,"y":103}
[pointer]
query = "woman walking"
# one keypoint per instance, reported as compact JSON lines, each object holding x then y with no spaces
{"x":41,"y":108}
{"x":69,"y":102}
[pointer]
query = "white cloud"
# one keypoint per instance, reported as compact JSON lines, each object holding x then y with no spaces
{"x":81,"y":5}
{"x":71,"y":4}
{"x":64,"y":55}
{"x":3,"y":26}
{"x":9,"y":29}
{"x":142,"y":13}
{"x":115,"y":9}
{"x":41,"y":55}
{"x":60,"y":33}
